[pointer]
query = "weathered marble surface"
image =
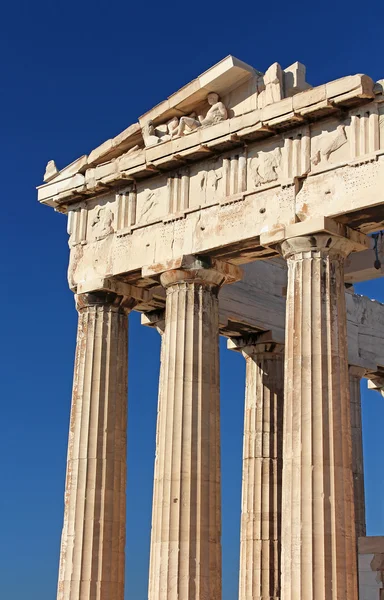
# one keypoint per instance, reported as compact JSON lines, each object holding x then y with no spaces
{"x":318,"y":520}
{"x":236,"y":167}
{"x":371,"y":568}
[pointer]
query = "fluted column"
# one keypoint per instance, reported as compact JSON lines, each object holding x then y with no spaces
{"x":93,"y":537}
{"x":185,"y":560}
{"x":260,"y":533}
{"x":318,"y":522}
{"x":355,"y":375}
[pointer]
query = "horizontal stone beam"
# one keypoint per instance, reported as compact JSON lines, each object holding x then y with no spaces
{"x":258,"y":302}
{"x":360,"y":266}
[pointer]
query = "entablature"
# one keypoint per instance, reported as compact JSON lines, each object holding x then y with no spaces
{"x":275,"y":153}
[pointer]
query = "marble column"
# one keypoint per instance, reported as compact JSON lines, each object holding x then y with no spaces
{"x":318,"y":522}
{"x":93,"y":538}
{"x":260,"y":532}
{"x":185,"y":557}
{"x":355,"y":375}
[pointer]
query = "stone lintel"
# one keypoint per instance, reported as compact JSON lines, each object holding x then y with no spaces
{"x":358,"y":241}
{"x":260,"y":342}
{"x":373,"y":544}
{"x":361,"y":267}
{"x":230,"y":272}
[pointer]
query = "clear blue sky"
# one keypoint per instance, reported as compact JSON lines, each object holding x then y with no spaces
{"x":74,"y":74}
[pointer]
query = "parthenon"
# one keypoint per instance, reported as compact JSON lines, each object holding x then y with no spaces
{"x":246,"y":205}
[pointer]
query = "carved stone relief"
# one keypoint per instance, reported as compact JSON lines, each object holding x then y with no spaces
{"x":265,"y":167}
{"x":206,"y":183}
{"x":50,"y":171}
{"x":101,"y":223}
{"x":150,"y":136}
{"x":152,"y":200}
{"x":277,"y":84}
{"x":271,"y":86}
{"x":330,"y":143}
{"x":216,"y":113}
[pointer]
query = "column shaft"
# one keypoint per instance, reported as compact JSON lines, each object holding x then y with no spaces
{"x":318,"y":523}
{"x":260,"y":534}
{"x":185,"y":559}
{"x":93,"y":539}
{"x":355,"y":374}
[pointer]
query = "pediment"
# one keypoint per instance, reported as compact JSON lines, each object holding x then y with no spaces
{"x":230,"y":104}
{"x":239,"y":87}
{"x":221,"y":79}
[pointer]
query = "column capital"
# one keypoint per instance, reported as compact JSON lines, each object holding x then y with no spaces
{"x":192,"y":265}
{"x":319,"y":243}
{"x":202,"y":270}
{"x":314,"y":235}
{"x":101,"y":299}
{"x":355,"y":371}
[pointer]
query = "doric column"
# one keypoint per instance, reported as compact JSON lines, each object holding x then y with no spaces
{"x":355,"y":375}
{"x":260,"y":532}
{"x":185,"y":561}
{"x":93,"y":538}
{"x":318,"y":522}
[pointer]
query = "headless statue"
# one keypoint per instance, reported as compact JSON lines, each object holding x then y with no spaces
{"x":216,"y":113}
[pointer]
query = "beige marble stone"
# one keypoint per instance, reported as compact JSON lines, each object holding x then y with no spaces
{"x":318,"y":520}
{"x":92,"y":557}
{"x":355,"y":375}
{"x":274,"y":163}
{"x":260,"y":533}
{"x":371,"y":568}
{"x":185,"y":560}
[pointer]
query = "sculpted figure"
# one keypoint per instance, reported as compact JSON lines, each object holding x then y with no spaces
{"x":173,"y":126}
{"x":149,"y":135}
{"x":329,"y":142}
{"x":265,"y":166}
{"x":50,"y":170}
{"x":102,"y":222}
{"x":215,"y":114}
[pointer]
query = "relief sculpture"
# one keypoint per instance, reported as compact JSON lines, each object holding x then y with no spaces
{"x":150,"y":205}
{"x":327,"y":143}
{"x":265,"y":166}
{"x":176,"y":128}
{"x":216,"y":113}
{"x":102,"y":222}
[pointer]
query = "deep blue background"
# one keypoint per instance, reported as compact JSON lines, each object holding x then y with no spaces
{"x":74,"y":74}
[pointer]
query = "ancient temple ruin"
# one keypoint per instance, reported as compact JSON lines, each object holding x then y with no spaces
{"x":244,"y":205}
